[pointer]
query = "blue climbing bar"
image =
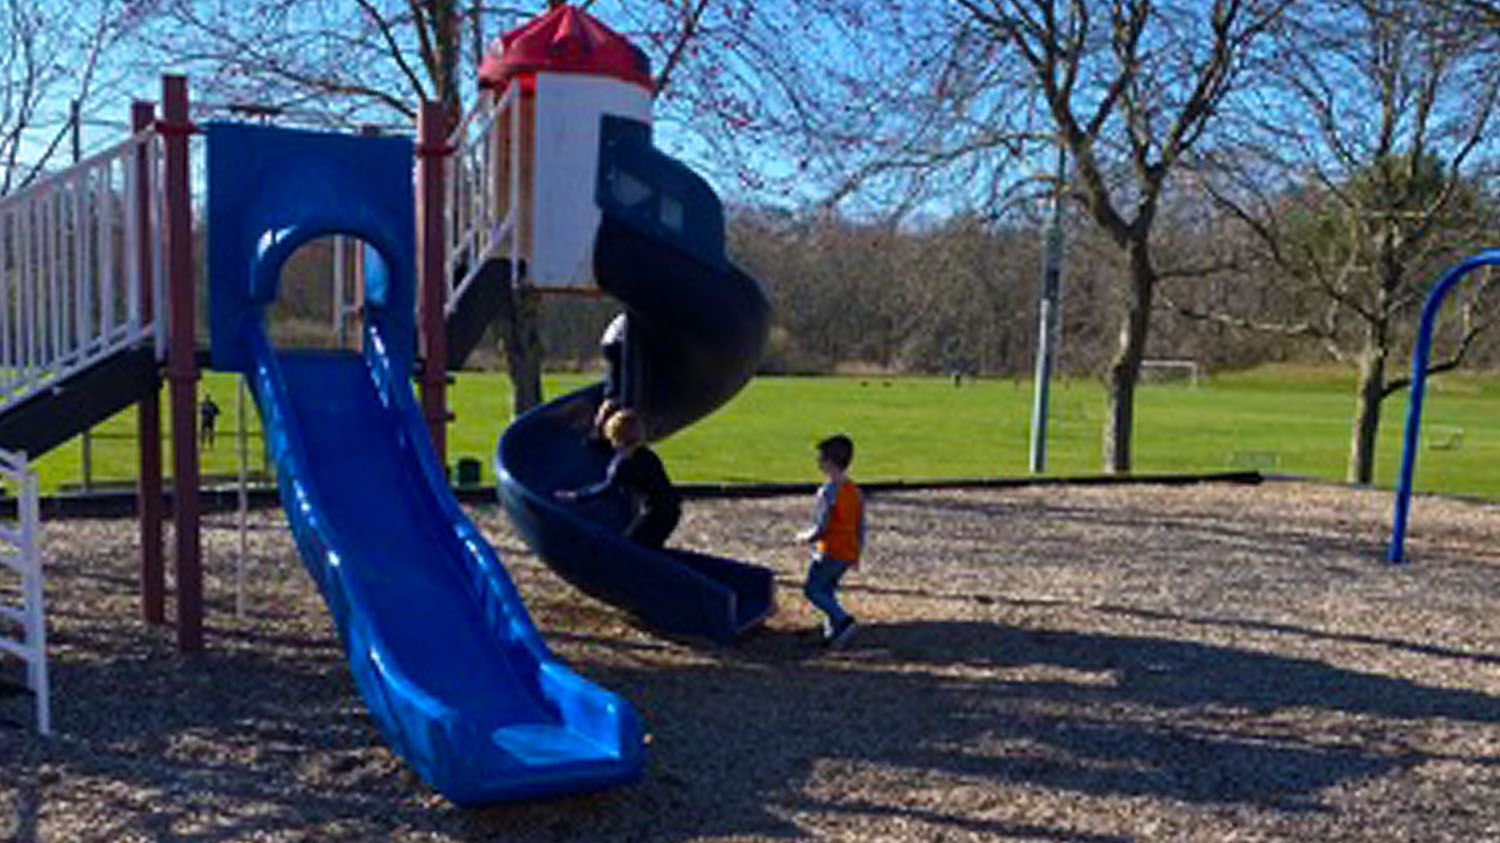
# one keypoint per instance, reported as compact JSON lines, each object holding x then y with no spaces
{"x":1421,"y":355}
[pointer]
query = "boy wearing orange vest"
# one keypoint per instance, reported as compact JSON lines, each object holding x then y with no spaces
{"x":837,"y":536}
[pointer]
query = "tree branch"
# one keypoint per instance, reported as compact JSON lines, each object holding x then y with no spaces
{"x":692,"y":17}
{"x":1303,"y":330}
{"x":394,"y":47}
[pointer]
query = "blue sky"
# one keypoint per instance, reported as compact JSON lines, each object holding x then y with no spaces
{"x":763,"y":169}
{"x":821,"y":46}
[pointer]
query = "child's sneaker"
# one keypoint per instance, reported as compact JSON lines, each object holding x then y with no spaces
{"x":841,"y":633}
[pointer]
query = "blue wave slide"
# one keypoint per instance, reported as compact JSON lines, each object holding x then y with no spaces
{"x":697,"y":330}
{"x":439,"y":643}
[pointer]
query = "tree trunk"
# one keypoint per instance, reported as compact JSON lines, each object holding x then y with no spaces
{"x":444,"y":24}
{"x":1125,"y":366}
{"x":1370,"y":390}
{"x":1368,"y":394}
{"x":522,"y":343}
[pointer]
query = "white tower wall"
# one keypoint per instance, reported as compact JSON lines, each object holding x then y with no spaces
{"x":569,"y":108}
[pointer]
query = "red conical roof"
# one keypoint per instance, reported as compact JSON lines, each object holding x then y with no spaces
{"x":565,"y":40}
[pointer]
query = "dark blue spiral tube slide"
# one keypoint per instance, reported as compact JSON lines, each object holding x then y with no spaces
{"x":698,"y":328}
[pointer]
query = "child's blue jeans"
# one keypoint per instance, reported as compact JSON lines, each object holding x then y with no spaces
{"x":823,"y":577}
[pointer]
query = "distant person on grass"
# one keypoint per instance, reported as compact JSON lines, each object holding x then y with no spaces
{"x":837,"y":536}
{"x":637,"y":470}
{"x":208,"y":418}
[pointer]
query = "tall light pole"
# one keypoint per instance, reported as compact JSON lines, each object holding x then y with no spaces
{"x":1049,"y":303}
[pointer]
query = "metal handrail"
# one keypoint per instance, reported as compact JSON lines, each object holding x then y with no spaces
{"x":70,"y":267}
{"x":474,"y":234}
{"x":47,"y":183}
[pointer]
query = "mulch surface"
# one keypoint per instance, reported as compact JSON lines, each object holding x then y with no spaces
{"x":1091,"y":665}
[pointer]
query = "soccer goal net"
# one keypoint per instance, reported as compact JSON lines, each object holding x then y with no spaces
{"x":1172,"y":372}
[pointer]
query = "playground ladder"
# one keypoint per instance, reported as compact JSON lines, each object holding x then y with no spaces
{"x":72,"y":252}
{"x":475,"y":229}
{"x":21,"y":554}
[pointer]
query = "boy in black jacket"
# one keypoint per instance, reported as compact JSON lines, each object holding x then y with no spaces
{"x":637,"y":469}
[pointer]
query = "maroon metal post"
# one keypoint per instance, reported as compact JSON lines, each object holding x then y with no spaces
{"x":148,"y":484}
{"x":431,"y":150}
{"x":182,"y":365}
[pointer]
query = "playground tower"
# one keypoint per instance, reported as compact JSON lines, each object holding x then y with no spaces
{"x":556,"y":78}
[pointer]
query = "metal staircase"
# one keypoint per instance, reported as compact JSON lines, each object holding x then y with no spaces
{"x":81,"y":299}
{"x":483,"y":224}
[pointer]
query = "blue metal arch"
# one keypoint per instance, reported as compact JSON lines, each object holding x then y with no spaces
{"x":1421,"y":357}
{"x":271,"y":190}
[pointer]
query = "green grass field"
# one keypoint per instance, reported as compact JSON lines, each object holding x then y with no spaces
{"x":1276,"y":419}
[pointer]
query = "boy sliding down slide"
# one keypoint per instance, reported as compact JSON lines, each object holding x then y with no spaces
{"x":837,"y":535}
{"x":636,"y":469}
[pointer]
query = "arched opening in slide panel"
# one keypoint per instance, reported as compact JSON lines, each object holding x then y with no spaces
{"x":319,"y":296}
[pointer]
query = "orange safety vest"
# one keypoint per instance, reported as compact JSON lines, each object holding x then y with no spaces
{"x":841,"y":535}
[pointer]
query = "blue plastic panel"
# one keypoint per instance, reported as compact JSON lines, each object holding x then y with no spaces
{"x":273,"y":190}
{"x":657,"y":195}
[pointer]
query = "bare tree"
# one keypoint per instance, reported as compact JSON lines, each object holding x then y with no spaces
{"x":52,"y":56}
{"x":1362,"y":175}
{"x":1486,"y":12}
{"x":369,"y":61}
{"x":1131,"y":88}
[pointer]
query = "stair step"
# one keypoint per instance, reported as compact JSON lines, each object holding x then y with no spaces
{"x":481,"y":303}
{"x":71,"y":406}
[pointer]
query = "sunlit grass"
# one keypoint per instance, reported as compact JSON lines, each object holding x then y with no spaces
{"x":1293,"y":420}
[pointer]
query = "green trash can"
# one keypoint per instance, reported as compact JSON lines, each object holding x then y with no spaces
{"x":468,"y":472}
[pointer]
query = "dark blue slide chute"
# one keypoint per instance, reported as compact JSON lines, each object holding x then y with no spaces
{"x":438,"y":640}
{"x":698,"y":328}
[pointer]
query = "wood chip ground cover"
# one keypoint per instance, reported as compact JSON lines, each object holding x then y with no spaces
{"x":1207,"y":663}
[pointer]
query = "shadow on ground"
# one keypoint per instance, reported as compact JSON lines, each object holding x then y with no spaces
{"x":290,"y":749}
{"x":1093,"y":714}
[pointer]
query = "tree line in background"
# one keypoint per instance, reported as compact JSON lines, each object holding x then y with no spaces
{"x":961,"y":296}
{"x":1245,"y":179}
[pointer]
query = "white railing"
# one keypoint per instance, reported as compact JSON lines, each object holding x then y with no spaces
{"x":474,"y":230}
{"x":70,"y":268}
{"x":20,"y":552}
{"x":347,"y":286}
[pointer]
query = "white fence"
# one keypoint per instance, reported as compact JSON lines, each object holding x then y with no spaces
{"x":70,"y":268}
{"x":20,"y":553}
{"x":474,"y":230}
